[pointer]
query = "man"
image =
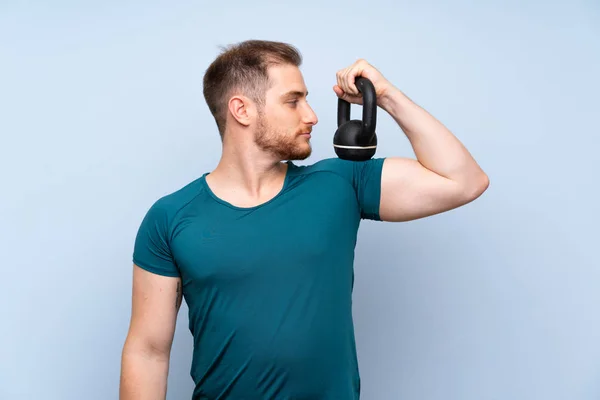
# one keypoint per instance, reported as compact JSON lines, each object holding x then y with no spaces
{"x":262,"y":249}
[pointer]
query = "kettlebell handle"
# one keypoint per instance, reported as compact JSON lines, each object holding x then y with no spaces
{"x":369,"y":113}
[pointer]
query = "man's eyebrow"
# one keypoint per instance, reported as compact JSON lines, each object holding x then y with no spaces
{"x":295,"y":93}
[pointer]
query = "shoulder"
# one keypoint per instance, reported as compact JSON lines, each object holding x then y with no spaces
{"x":348,"y":170}
{"x":332,"y":165}
{"x":166,"y":207}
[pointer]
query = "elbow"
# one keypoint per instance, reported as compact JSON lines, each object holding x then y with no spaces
{"x":476,"y":186}
{"x":479,"y":184}
{"x":147,"y":347}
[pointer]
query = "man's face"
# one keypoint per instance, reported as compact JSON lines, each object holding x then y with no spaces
{"x":286,"y":121}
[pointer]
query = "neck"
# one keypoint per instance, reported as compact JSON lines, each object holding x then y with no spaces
{"x":248,"y":170}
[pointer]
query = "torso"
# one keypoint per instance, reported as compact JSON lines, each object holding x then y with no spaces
{"x":269,"y":288}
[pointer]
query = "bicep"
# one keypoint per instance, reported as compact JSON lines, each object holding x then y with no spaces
{"x":155,"y":303}
{"x":410,"y":191}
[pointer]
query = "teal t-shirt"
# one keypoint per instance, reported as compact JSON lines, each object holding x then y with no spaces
{"x":269,"y":288}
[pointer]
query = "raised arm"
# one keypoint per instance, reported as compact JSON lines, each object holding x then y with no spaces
{"x":156,"y":300}
{"x":443,"y":176}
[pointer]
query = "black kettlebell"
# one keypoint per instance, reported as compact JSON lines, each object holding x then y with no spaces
{"x":356,"y":140}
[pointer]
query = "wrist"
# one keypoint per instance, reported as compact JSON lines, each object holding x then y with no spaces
{"x":392,"y":100}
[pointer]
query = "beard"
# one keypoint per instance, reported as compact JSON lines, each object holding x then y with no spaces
{"x":280,"y":143}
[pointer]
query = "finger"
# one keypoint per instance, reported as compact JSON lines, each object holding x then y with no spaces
{"x":338,"y":90}
{"x":340,"y":79}
{"x":347,"y":85}
{"x":351,"y":84}
{"x":350,"y":79}
{"x":345,"y":96}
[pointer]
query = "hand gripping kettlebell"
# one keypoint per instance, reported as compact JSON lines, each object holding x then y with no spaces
{"x":355,"y":139}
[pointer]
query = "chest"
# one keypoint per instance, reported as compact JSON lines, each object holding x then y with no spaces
{"x":302,"y":231}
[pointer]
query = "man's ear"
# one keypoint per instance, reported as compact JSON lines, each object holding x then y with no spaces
{"x":242,"y":109}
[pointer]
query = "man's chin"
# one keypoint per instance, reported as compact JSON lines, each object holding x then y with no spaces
{"x":300,"y":155}
{"x":299,"y":151}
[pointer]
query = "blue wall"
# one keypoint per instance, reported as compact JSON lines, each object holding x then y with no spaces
{"x":101,"y":113}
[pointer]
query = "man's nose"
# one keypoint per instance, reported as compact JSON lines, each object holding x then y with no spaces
{"x":311,"y":117}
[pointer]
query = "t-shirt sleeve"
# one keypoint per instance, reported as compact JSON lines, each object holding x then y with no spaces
{"x":365,"y":178}
{"x":367,"y":183}
{"x":152,"y":251}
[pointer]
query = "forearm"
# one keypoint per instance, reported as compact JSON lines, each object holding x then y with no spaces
{"x":435,"y":147}
{"x":143,"y":374}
